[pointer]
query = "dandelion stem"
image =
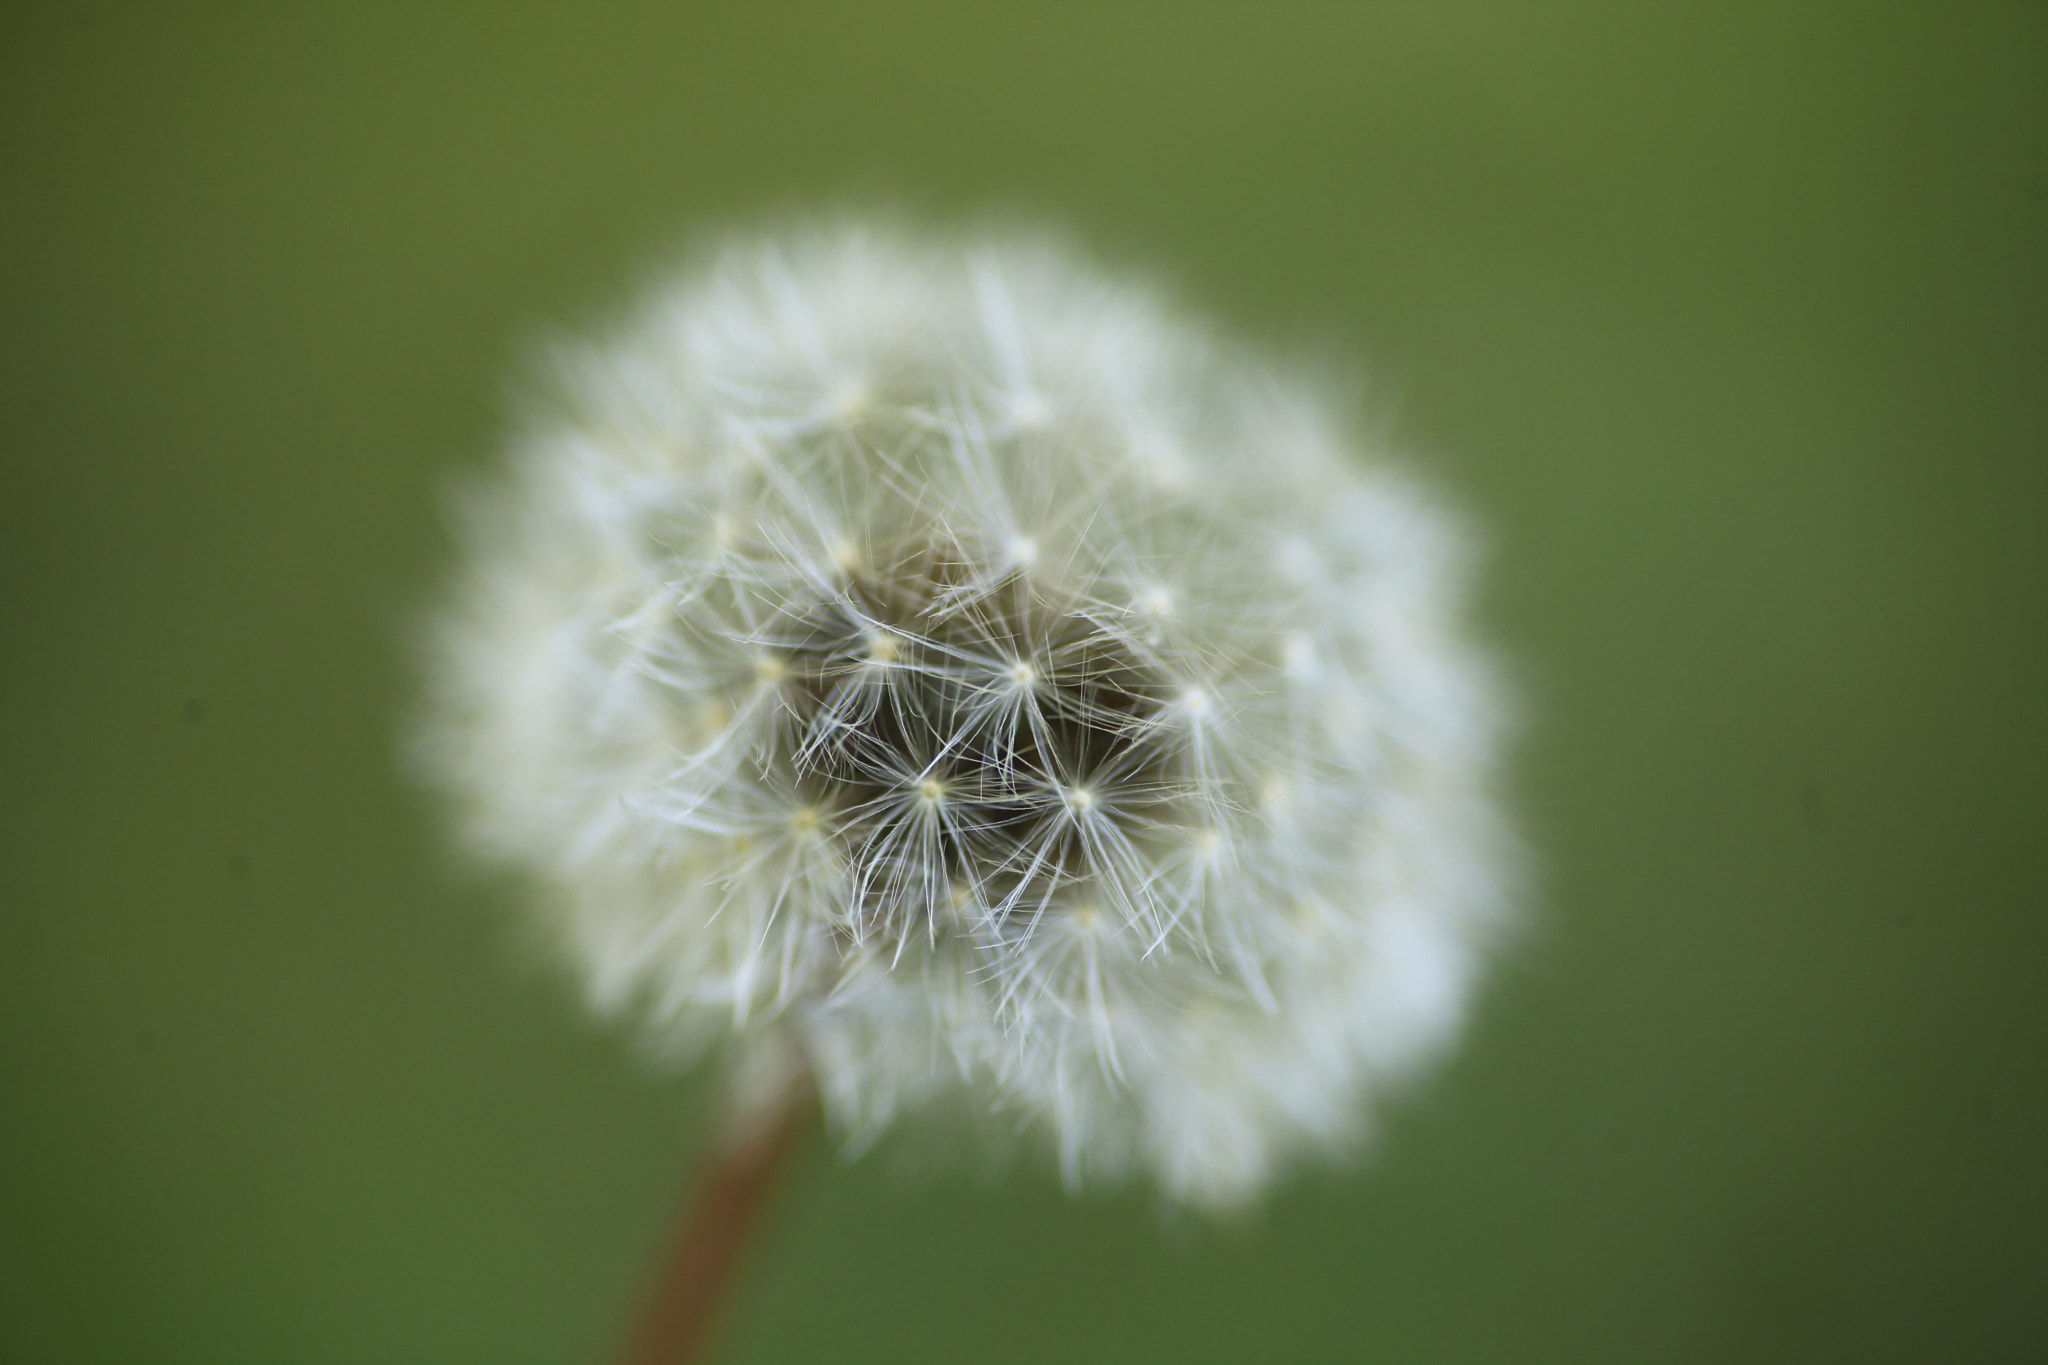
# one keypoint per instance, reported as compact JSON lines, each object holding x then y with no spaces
{"x":710,"y":1236}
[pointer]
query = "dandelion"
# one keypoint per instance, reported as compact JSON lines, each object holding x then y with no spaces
{"x":937,"y":672}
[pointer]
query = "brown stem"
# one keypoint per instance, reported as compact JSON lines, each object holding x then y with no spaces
{"x":710,"y":1235}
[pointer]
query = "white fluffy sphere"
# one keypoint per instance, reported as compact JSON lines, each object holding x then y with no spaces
{"x":928,"y":655}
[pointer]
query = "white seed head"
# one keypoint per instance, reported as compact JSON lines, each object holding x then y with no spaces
{"x":932,"y":656}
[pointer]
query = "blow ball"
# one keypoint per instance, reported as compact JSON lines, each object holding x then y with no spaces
{"x":926,"y":659}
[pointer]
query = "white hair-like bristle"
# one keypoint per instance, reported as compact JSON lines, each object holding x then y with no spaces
{"x":930,"y":655}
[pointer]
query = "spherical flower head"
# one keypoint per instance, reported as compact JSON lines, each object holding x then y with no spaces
{"x":927,"y":657}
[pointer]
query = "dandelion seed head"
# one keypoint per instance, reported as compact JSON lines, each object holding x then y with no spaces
{"x":936,"y":658}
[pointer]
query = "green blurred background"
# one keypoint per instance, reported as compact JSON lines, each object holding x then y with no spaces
{"x":1729,"y":322}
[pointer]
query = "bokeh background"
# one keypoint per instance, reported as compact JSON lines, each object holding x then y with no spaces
{"x":1730,"y":322}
